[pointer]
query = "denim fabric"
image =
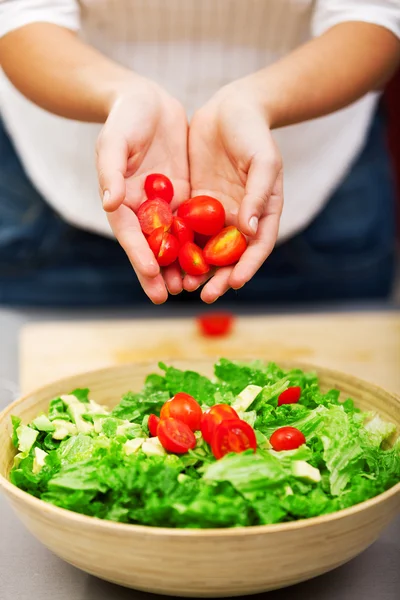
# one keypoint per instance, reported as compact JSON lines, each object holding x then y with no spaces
{"x":346,"y":253}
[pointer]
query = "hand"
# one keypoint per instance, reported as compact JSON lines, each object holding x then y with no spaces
{"x":234,"y":158}
{"x":146,"y":132}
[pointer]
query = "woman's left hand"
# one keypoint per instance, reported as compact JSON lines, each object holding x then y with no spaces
{"x":234,"y":158}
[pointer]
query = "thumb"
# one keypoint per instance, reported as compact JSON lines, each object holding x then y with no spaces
{"x":261,"y":180}
{"x":111,"y":162}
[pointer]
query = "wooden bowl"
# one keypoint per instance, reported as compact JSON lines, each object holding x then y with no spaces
{"x":206,"y":563}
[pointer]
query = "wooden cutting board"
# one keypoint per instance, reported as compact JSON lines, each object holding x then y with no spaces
{"x":362,"y":344}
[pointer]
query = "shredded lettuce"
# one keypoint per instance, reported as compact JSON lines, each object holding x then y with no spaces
{"x":83,"y":457}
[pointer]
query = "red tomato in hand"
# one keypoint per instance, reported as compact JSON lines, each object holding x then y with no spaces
{"x":181,"y":231}
{"x":290,"y":396}
{"x":153,"y":214}
{"x":232,"y":435}
{"x":164,"y":245}
{"x":152,"y":424}
{"x":191,"y":259}
{"x":216,"y":324}
{"x":213,"y":417}
{"x":158,"y":186}
{"x":184,"y":408}
{"x":175,"y":436}
{"x":203,"y":214}
{"x":287,"y":438}
{"x":225,"y":248}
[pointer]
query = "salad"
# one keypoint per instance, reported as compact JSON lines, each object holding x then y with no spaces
{"x":254,"y":445}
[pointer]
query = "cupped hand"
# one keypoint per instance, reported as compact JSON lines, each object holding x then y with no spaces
{"x":234,"y":158}
{"x":146,"y":132}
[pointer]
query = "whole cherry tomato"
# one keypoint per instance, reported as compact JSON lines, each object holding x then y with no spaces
{"x":158,"y":186}
{"x":181,"y":231}
{"x":175,"y":436}
{"x":215,"y":415}
{"x":192,"y":260}
{"x":203,"y":214}
{"x":232,"y":435}
{"x":164,"y":245}
{"x":225,"y":248}
{"x":152,"y":424}
{"x":287,"y":438}
{"x":153,"y":214}
{"x":216,"y":324}
{"x":184,"y":408}
{"x":290,"y":396}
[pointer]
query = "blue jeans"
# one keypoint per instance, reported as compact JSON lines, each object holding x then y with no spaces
{"x":346,"y":253}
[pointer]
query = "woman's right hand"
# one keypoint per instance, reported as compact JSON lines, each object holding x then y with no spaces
{"x":146,"y":132}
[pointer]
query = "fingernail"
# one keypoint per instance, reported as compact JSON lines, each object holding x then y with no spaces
{"x":106,"y":197}
{"x":253,"y":224}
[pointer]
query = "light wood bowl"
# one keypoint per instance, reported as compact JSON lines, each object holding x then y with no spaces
{"x":202,"y":563}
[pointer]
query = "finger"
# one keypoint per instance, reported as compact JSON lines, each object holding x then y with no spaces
{"x":192,"y":282}
{"x":173,"y":279}
{"x":217,"y":286}
{"x":111,"y":162}
{"x":257,"y":251}
{"x":127,"y":230}
{"x":154,"y":288}
{"x":263,"y":174}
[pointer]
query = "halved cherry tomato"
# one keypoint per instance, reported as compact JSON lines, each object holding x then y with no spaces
{"x":152,"y":424}
{"x":181,"y":231}
{"x":153,"y":214}
{"x":184,"y":408}
{"x":287,"y":438}
{"x":164,"y":245}
{"x":192,"y":260}
{"x":213,"y":417}
{"x":233,"y":435}
{"x":203,"y":214}
{"x":216,"y":324}
{"x":290,"y":396}
{"x":225,"y":248}
{"x":158,"y":186}
{"x":175,"y":436}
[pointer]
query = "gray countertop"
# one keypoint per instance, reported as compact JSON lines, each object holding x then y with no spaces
{"x":28,"y":571}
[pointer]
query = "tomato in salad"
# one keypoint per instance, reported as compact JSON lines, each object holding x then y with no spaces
{"x":203,"y":214}
{"x":191,"y":259}
{"x":153,"y":214}
{"x":232,"y":435}
{"x":290,"y":396}
{"x":175,"y":436}
{"x":225,"y":248}
{"x":158,"y":186}
{"x":184,"y":408}
{"x":215,"y":415}
{"x":287,"y":438}
{"x":152,"y":424}
{"x":216,"y":324}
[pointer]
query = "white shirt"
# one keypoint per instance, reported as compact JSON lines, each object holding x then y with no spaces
{"x":192,"y":48}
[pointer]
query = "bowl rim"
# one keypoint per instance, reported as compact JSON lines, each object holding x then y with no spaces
{"x":88,"y":522}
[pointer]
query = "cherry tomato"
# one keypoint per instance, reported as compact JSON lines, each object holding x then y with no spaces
{"x":153,"y":214}
{"x":287,"y":438}
{"x":175,"y":436}
{"x":215,"y":415}
{"x":181,"y":231}
{"x":152,"y":424}
{"x":290,"y":396}
{"x":191,"y":259}
{"x":225,"y":248}
{"x":203,"y":214}
{"x":216,"y":324}
{"x":184,"y":408}
{"x":158,"y":186}
{"x":232,"y":435}
{"x":164,"y":245}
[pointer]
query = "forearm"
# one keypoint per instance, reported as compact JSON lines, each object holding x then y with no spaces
{"x":54,"y":69}
{"x":328,"y":73}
